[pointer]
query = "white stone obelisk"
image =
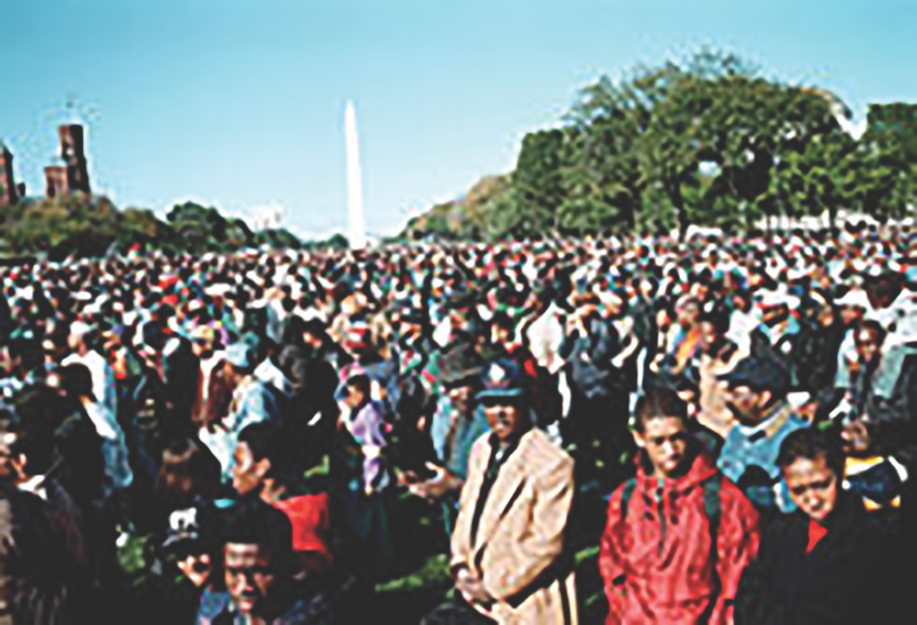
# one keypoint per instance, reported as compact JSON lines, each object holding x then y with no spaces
{"x":356,"y":225}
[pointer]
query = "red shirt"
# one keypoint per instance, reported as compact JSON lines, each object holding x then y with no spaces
{"x":817,"y":531}
{"x":309,"y":516}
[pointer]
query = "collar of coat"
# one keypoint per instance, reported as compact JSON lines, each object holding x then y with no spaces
{"x":509,"y":483}
{"x":697,"y":467}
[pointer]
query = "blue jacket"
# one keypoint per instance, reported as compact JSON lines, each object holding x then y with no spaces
{"x":746,"y":446}
{"x":590,"y":358}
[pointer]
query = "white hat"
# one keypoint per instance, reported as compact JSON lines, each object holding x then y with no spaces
{"x":854,"y":297}
{"x":796,"y":272}
{"x":79,"y":328}
{"x":221,"y":288}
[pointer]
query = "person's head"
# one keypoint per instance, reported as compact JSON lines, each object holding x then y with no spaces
{"x":826,"y":316}
{"x":257,"y":456}
{"x":358,"y":390}
{"x":189,"y":469}
{"x":868,"y":342}
{"x":461,"y":386}
{"x":76,"y":340}
{"x":502,"y":329}
{"x":661,"y":430}
{"x":76,"y":382}
{"x":713,"y":329}
{"x":852,"y":306}
{"x":504,"y":400}
{"x":687,"y":312}
{"x":257,"y":556}
{"x":754,"y":386}
{"x":240,"y":362}
{"x":189,"y":543}
{"x":313,"y":333}
{"x":741,"y":301}
{"x":813,"y":468}
{"x":204,"y":342}
{"x":9,"y":426}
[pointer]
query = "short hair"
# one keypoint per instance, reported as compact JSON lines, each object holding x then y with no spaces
{"x":659,"y":403}
{"x":503,"y":321}
{"x":251,"y":521}
{"x":874,"y":326}
{"x":812,"y":443}
{"x":76,"y":380}
{"x":362,"y":382}
{"x":717,"y":318}
{"x":188,"y":469}
{"x":264,"y":440}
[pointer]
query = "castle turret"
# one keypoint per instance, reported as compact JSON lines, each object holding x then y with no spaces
{"x":8,"y":189}
{"x":71,"y":146}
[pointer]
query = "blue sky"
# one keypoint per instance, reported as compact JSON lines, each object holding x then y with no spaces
{"x":240,"y":104}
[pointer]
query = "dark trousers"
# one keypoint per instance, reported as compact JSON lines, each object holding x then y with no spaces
{"x":456,"y":612}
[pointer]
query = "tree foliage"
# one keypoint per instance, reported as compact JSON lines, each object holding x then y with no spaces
{"x":92,"y":227}
{"x":708,"y":141}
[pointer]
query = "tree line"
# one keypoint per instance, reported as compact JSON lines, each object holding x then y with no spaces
{"x":707,"y":141}
{"x":93,"y":227}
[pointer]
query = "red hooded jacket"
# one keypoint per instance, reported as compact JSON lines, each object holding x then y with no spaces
{"x":657,"y":565}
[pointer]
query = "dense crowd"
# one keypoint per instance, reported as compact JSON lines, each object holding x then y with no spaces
{"x":239,"y":428}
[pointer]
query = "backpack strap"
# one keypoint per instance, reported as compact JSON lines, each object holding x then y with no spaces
{"x":629,"y":486}
{"x":713,"y":507}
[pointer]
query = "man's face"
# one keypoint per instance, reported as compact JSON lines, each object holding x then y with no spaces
{"x":74,"y":341}
{"x":851,"y":314}
{"x":687,"y":314}
{"x":867,"y":346}
{"x":665,"y":440}
{"x":459,"y":395}
{"x":709,"y":336}
{"x":7,"y":440}
{"x":249,"y":576}
{"x":812,"y":485}
{"x":311,"y":340}
{"x":505,"y":418}
{"x":247,"y":474}
{"x":500,"y":335}
{"x":747,"y":404}
{"x":196,"y":567}
{"x":826,"y":317}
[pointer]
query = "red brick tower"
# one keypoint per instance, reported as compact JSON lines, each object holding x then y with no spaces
{"x":71,"y":146}
{"x":56,"y":185}
{"x":8,"y":189}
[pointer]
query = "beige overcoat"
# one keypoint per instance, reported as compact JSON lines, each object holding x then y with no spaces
{"x":520,"y":534}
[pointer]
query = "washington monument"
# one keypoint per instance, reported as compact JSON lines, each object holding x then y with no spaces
{"x":356,"y":226}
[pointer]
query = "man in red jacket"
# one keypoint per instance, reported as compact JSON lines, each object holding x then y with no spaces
{"x":679,"y":534}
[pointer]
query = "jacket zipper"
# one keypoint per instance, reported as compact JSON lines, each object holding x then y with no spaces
{"x":662,"y":522}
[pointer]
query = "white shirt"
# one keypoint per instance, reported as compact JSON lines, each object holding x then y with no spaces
{"x":545,"y":336}
{"x":269,"y":373}
{"x":103,"y":377}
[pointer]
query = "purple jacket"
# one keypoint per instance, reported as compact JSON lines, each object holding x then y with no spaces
{"x":368,"y":429}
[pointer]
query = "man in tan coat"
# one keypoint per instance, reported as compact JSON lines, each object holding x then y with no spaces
{"x":508,"y":555}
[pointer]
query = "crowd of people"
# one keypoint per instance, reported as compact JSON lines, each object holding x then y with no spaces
{"x":241,"y":429}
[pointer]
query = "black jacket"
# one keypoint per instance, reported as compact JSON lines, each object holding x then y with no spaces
{"x":849,"y":577}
